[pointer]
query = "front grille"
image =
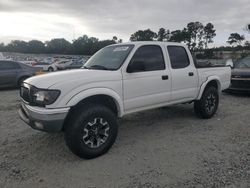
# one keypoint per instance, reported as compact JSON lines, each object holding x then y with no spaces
{"x":245,"y":84}
{"x":24,"y":93}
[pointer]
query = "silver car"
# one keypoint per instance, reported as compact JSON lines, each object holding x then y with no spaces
{"x":12,"y":74}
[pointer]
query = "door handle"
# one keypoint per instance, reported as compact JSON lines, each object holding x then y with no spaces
{"x":164,"y":77}
{"x":190,"y":74}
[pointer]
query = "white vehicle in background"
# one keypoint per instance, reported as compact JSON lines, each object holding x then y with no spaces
{"x":1,"y":56}
{"x":30,"y":63}
{"x":62,"y":64}
{"x":118,"y":80}
{"x":45,"y":66}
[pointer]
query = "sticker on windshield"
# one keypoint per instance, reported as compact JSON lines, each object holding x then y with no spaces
{"x":121,"y":48}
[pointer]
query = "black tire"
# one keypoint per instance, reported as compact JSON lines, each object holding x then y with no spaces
{"x":207,"y":106}
{"x":50,"y":69}
{"x":20,"y":81}
{"x":79,"y":125}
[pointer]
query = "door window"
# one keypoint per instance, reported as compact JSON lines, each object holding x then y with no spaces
{"x":178,"y":57}
{"x":147,"y":58}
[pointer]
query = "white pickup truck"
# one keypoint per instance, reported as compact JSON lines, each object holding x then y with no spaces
{"x":118,"y":80}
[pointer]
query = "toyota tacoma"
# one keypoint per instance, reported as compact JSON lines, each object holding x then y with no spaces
{"x":118,"y":80}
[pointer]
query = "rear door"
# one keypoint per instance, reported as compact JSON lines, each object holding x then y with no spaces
{"x":8,"y":73}
{"x":184,"y":74}
{"x":146,"y":79}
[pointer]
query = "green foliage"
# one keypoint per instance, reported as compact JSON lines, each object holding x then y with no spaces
{"x":35,"y":46}
{"x":195,"y":31}
{"x":17,"y":46}
{"x":58,"y":45}
{"x":143,"y":35}
{"x":163,"y":35}
{"x":209,"y":34}
{"x":2,"y":47}
{"x":179,"y":36}
{"x":235,"y":38}
{"x":195,"y":35}
{"x":84,"y":45}
{"x":89,"y":45}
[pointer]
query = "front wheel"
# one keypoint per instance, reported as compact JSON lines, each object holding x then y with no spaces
{"x":207,"y":106}
{"x":91,"y":131}
{"x":50,"y":69}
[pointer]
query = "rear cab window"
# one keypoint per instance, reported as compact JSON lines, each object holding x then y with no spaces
{"x":178,"y":57}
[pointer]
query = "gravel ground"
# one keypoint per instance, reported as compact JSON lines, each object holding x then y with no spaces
{"x":166,"y":147}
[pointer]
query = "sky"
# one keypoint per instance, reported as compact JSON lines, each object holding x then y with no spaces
{"x":69,"y":19}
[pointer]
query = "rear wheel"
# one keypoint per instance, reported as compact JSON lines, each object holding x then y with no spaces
{"x":92,"y":131}
{"x":207,"y":106}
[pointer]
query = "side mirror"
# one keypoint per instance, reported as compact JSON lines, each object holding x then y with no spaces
{"x":135,"y":66}
{"x":229,"y":63}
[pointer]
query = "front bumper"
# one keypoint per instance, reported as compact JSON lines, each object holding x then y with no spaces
{"x":240,"y":85}
{"x":48,"y":120}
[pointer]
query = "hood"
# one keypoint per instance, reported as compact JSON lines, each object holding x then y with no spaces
{"x":48,"y":80}
{"x":241,"y":73}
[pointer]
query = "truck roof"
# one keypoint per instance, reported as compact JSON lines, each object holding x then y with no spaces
{"x":151,"y":43}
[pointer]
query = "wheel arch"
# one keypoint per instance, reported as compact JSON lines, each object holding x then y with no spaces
{"x":211,"y":81}
{"x":104,"y":96}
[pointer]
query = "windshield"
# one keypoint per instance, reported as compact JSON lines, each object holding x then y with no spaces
{"x":109,"y":58}
{"x":243,"y":63}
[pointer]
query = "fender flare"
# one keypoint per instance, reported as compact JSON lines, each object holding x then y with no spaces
{"x":204,"y":85}
{"x":74,"y":100}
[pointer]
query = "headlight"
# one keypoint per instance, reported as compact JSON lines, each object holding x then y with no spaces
{"x":43,"y":97}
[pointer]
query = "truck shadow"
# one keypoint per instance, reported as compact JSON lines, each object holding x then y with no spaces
{"x":159,"y":115}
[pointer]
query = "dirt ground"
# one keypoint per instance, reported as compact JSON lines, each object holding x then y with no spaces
{"x":166,"y":147}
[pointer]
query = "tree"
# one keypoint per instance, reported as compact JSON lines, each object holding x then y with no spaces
{"x":115,"y":38}
{"x":17,"y":46}
{"x":35,"y":46}
{"x":195,"y":31}
{"x":104,"y":43}
{"x":79,"y":46}
{"x":235,"y":38}
{"x":89,"y":45}
{"x":209,"y":34}
{"x":2,"y":47}
{"x":59,"y":45}
{"x":179,"y":36}
{"x":143,"y":35}
{"x":163,"y":35}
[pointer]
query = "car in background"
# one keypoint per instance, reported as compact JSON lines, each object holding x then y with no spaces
{"x":1,"y":56}
{"x":62,"y":64}
{"x":240,"y":79}
{"x":75,"y":65}
{"x":45,"y":66}
{"x":12,"y":73}
{"x":30,"y":63}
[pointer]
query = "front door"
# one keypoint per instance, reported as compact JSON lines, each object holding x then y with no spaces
{"x":146,"y":80}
